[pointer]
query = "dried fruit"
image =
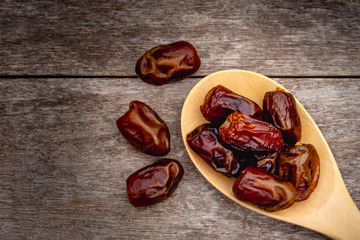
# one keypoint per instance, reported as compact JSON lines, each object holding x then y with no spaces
{"x":266,"y":161}
{"x":205,"y":141}
{"x":242,"y":132}
{"x":263,"y":189}
{"x":144,"y":129}
{"x":300,"y":165}
{"x":279,"y":109}
{"x":220,"y":102}
{"x":154,"y":183}
{"x":170,"y":62}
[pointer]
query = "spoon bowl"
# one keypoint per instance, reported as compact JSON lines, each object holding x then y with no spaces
{"x":329,"y":209}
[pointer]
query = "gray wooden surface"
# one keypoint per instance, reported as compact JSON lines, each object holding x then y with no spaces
{"x":106,"y":37}
{"x":63,"y":163}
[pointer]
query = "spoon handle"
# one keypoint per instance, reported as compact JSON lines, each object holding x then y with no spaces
{"x":338,"y":217}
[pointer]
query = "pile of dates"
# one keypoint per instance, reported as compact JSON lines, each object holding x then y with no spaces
{"x":260,"y":147}
{"x":143,"y":128}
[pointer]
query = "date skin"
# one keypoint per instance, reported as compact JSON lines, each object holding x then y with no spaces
{"x":144,"y":129}
{"x":279,"y":109}
{"x":170,"y":62}
{"x":300,"y":165}
{"x":244,"y":133}
{"x":267,"y":161}
{"x":263,"y":189}
{"x":154,"y":183}
{"x":205,"y":141}
{"x":220,"y":102}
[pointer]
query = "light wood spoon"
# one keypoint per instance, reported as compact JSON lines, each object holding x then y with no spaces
{"x":329,"y":210}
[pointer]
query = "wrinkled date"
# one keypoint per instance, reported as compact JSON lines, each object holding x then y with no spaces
{"x":220,"y":102}
{"x":170,"y":62}
{"x":242,"y":132}
{"x":279,"y":109}
{"x":263,"y":189}
{"x":205,"y":141}
{"x":144,"y":129}
{"x":300,"y":165}
{"x":154,"y":183}
{"x":267,"y":161}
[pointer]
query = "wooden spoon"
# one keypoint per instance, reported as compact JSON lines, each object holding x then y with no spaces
{"x":329,"y":210}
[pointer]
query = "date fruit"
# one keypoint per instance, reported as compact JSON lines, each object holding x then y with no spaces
{"x":244,"y":133}
{"x":154,"y":183}
{"x":267,"y":161}
{"x":220,"y":102}
{"x":205,"y":141}
{"x":279,"y":109}
{"x":170,"y":62}
{"x":144,"y":129}
{"x":300,"y":165}
{"x":263,"y":189}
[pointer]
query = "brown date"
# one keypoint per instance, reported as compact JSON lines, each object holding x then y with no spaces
{"x":300,"y":165}
{"x":221,"y":101}
{"x":279,"y":109}
{"x":244,"y":133}
{"x":267,"y":161}
{"x":170,"y":62}
{"x":263,"y":189}
{"x":205,"y":141}
{"x":154,"y":183}
{"x":144,"y":129}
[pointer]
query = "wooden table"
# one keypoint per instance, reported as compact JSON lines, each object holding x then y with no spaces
{"x":67,"y":73}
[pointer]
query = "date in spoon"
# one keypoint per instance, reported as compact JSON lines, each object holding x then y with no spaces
{"x":329,"y":210}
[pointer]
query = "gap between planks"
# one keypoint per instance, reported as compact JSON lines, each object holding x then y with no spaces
{"x":202,"y":76}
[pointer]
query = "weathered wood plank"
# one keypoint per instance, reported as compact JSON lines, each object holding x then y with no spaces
{"x":63,"y":163}
{"x":107,"y":37}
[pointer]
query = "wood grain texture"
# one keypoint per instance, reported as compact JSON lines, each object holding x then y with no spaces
{"x":90,"y":38}
{"x":63,"y":163}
